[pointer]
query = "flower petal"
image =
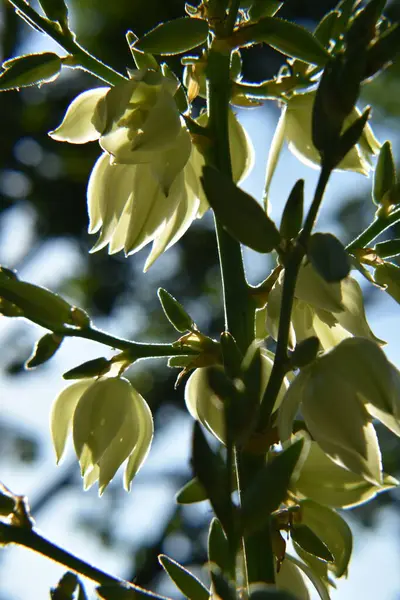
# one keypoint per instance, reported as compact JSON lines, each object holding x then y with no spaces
{"x":145,"y":424}
{"x":79,"y":124}
{"x":274,"y":153}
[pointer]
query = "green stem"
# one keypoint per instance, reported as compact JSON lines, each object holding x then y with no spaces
{"x":378,"y":226}
{"x":289,"y":285}
{"x":136,"y":349}
{"x":83,"y":59}
{"x":232,"y":16}
{"x":11,"y":534}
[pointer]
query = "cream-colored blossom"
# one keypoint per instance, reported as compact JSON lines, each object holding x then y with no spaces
{"x":145,"y":186}
{"x":338,"y":395}
{"x":294,"y":126}
{"x":330,"y":311}
{"x":110,"y":422}
{"x":205,"y":406}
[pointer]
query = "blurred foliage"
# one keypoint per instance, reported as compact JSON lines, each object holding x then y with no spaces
{"x":43,"y":185}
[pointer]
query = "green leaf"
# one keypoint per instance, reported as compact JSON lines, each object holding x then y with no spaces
{"x":310,"y":542}
{"x":185,"y":581}
{"x":332,"y":530}
{"x":328,"y":256}
{"x":389,"y":275}
{"x":212,"y":474}
{"x":269,"y":487}
{"x":44,"y":349}
{"x":180,"y":94}
{"x":383,"y":52}
{"x":388,"y":249}
{"x":218,"y":547}
{"x":90,"y":368}
{"x":385,"y":173}
{"x":239,"y":213}
{"x":350,"y":138}
{"x":231,"y":355}
{"x":292,"y":217}
{"x":264,"y":8}
{"x":191,"y":492}
{"x":143,"y":60}
{"x":174,"y":37}
{"x":263,"y":591}
{"x":66,"y":587}
{"x":223,"y":587}
{"x":286,"y":37}
{"x":30,"y":69}
{"x":55,"y":10}
{"x":126,"y":592}
{"x":315,"y":579}
{"x":305,"y":352}
{"x":174,"y":311}
{"x":325,"y":30}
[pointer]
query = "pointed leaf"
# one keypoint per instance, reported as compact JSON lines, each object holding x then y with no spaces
{"x":383,"y":52}
{"x":90,"y":368}
{"x":239,"y":213}
{"x":126,"y":592}
{"x":55,"y":10}
{"x":350,"y":137}
{"x":325,"y":29}
{"x":218,"y":547}
{"x":388,"y":249}
{"x":389,"y":275}
{"x":185,"y":581}
{"x":292,"y":217}
{"x":328,"y":256}
{"x":317,"y":582}
{"x":174,"y":311}
{"x":310,"y":542}
{"x":174,"y":37}
{"x":192,"y":492}
{"x":30,"y":69}
{"x":223,"y":587}
{"x":44,"y":349}
{"x":270,"y":486}
{"x":385,"y":173}
{"x":264,"y":8}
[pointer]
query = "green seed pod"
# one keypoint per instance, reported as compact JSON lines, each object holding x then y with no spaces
{"x":175,"y":313}
{"x":44,"y":349}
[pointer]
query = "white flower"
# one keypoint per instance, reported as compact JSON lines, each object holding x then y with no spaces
{"x":294,"y":126}
{"x":145,"y":186}
{"x":338,"y":395}
{"x":110,"y":422}
{"x":330,"y":311}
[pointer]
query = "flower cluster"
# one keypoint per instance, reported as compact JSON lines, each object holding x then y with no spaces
{"x":110,"y":421}
{"x":145,"y":186}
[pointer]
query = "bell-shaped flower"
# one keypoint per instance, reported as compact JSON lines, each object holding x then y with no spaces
{"x":338,"y":395}
{"x":324,"y":481}
{"x":330,"y":311}
{"x":110,"y":422}
{"x":294,"y":126}
{"x":145,"y":187}
{"x":205,"y":406}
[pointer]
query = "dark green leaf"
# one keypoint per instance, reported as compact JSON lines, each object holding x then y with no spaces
{"x":231,"y":355}
{"x":362,"y":28}
{"x":325,"y":30}
{"x":239,"y":213}
{"x":211,"y":472}
{"x":350,"y":137}
{"x":174,"y":311}
{"x":218,"y":547}
{"x":328,"y":257}
{"x":310,"y":542}
{"x":66,"y":587}
{"x":174,"y":37}
{"x":185,"y":581}
{"x":126,"y":592}
{"x":388,"y":249}
{"x":389,"y":275}
{"x":262,"y":591}
{"x":305,"y":352}
{"x":264,"y":8}
{"x":222,"y":586}
{"x":385,"y":173}
{"x":292,"y":217}
{"x":90,"y":368}
{"x":269,"y":488}
{"x":382,"y":53}
{"x":286,"y":37}
{"x":55,"y":10}
{"x":143,"y":60}
{"x":44,"y":349}
{"x":192,"y":492}
{"x":30,"y":69}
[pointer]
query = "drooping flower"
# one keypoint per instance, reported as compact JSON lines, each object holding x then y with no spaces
{"x":205,"y":406}
{"x":330,"y":311}
{"x":110,"y":421}
{"x":145,"y":186}
{"x":294,"y":126}
{"x":338,"y":395}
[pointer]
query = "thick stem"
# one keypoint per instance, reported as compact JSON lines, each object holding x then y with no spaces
{"x":30,"y":539}
{"x":83,"y":59}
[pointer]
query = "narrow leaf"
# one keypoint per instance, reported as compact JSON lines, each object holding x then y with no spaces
{"x":350,"y":137}
{"x":383,"y":52}
{"x":315,"y":579}
{"x":90,"y":368}
{"x":328,"y":257}
{"x":222,"y":586}
{"x":231,"y":355}
{"x":325,"y":30}
{"x":185,"y":581}
{"x":30,"y":69}
{"x":44,"y":349}
{"x":174,"y":37}
{"x":55,"y":10}
{"x":388,"y":249}
{"x":174,"y":311}
{"x":124,"y":592}
{"x":264,"y":8}
{"x":191,"y":492}
{"x":385,"y":173}
{"x":292,"y":217}
{"x":389,"y":275}
{"x":310,"y":542}
{"x":218,"y":547}
{"x":239,"y":213}
{"x":269,"y":488}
